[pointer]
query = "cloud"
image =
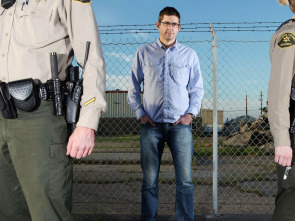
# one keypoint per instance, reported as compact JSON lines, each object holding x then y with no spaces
{"x":117,"y":82}
{"x":120,"y":55}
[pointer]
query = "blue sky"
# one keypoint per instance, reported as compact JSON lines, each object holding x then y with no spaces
{"x":236,"y":61}
{"x":114,"y":12}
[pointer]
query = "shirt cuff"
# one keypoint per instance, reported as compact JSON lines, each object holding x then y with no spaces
{"x":89,"y":118}
{"x":193,"y":111}
{"x":139,"y":113}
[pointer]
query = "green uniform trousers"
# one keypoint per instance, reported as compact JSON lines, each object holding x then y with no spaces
{"x":285,"y":199}
{"x":35,"y":173}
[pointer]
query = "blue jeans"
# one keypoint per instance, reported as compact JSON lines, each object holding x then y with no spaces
{"x":152,"y":141}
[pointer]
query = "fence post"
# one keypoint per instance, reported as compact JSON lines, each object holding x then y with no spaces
{"x":215,"y":122}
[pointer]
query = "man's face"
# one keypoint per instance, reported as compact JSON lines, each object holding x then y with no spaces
{"x":167,"y":32}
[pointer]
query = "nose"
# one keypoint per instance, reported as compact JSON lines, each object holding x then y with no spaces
{"x":169,"y":26}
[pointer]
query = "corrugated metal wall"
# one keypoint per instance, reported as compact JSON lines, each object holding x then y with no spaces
{"x":117,"y":105}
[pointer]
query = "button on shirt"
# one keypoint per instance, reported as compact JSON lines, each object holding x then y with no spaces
{"x":172,"y":82}
{"x":29,"y":33}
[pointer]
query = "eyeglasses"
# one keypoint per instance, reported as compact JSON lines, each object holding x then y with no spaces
{"x":167,"y":24}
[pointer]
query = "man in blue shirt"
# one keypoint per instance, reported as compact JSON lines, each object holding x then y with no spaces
{"x":172,"y":94}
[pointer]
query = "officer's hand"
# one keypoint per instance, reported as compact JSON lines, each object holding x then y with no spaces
{"x":186,"y":120}
{"x":283,"y":155}
{"x":146,"y":119}
{"x":81,"y":142}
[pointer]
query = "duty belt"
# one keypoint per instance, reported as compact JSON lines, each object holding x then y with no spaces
{"x":25,"y":95}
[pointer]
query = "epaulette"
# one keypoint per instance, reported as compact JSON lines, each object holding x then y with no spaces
{"x":286,"y":22}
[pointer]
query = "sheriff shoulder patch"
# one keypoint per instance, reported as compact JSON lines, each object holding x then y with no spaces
{"x":83,"y":1}
{"x":286,"y":40}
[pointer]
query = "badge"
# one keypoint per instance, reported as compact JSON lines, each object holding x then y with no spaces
{"x":82,"y":1}
{"x":286,"y":40}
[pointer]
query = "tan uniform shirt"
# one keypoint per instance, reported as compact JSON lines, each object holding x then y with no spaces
{"x":282,"y":56}
{"x":29,"y":33}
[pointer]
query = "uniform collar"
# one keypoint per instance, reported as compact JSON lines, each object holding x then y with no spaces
{"x":160,"y":45}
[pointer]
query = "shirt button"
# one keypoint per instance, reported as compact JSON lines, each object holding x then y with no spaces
{"x":10,"y":14}
{"x":3,"y":55}
{"x":3,"y":78}
{"x":32,"y":12}
{"x":6,"y":34}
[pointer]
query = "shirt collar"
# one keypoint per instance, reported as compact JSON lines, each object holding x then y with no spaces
{"x":160,"y":45}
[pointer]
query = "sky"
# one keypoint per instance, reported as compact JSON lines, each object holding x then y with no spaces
{"x":118,"y":12}
{"x":139,"y":12}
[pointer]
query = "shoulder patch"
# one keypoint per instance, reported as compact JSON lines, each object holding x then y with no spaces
{"x":82,"y":1}
{"x":286,"y":40}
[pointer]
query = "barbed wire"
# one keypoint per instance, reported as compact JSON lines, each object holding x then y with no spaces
{"x":153,"y":32}
{"x":193,"y":27}
{"x":196,"y":23}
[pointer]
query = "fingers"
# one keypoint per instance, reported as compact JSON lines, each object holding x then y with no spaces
{"x":283,"y":155}
{"x":146,"y":119}
{"x":81,"y":143}
{"x":69,"y":147}
{"x":276,"y":158}
{"x":177,"y":122}
{"x":81,"y":151}
{"x":151,"y":122}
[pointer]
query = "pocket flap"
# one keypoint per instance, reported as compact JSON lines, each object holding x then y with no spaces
{"x":22,"y":89}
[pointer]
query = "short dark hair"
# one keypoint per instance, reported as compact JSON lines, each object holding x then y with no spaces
{"x":168,"y":11}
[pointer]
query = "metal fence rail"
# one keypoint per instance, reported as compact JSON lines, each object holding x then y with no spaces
{"x":109,"y":180}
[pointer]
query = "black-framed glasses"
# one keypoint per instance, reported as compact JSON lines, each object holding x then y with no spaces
{"x":167,"y":24}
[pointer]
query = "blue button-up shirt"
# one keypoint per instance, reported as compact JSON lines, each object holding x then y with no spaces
{"x":172,"y":82}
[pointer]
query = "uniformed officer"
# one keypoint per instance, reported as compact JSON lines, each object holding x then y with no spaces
{"x":282,"y":55}
{"x":35,"y":171}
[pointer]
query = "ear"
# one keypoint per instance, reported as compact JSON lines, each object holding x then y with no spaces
{"x":158,"y":25}
{"x":179,"y":27}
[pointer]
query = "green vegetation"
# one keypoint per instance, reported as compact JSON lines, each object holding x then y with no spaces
{"x":202,"y":146}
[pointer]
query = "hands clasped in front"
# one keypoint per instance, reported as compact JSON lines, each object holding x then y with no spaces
{"x":81,"y":142}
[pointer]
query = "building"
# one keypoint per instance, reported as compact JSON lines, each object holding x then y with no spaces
{"x":120,"y":120}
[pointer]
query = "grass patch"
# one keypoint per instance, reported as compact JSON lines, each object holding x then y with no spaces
{"x":202,"y":146}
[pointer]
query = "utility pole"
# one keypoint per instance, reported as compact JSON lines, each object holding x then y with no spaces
{"x":246,"y":106}
{"x":261,"y":102}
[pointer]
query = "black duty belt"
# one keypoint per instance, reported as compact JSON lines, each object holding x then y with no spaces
{"x":25,"y":95}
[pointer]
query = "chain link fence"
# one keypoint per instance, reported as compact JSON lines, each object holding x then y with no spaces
{"x":109,"y":180}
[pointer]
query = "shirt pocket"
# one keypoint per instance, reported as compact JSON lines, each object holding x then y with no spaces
{"x":33,"y":25}
{"x":179,"y":73}
{"x":153,"y":70}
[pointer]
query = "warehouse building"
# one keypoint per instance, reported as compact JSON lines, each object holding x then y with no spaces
{"x":120,"y":120}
